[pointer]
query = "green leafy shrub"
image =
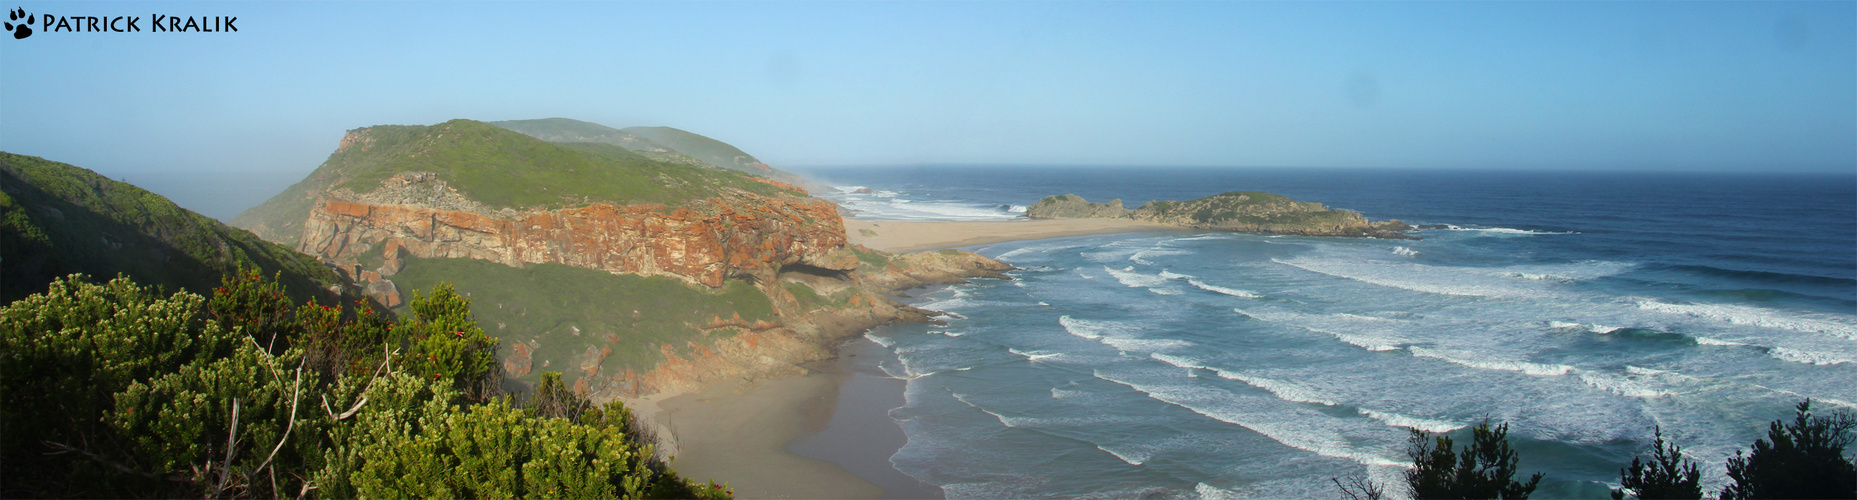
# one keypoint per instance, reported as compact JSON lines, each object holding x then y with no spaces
{"x":1485,"y":468}
{"x":1801,"y":459}
{"x":1668,"y":475}
{"x":114,"y":390}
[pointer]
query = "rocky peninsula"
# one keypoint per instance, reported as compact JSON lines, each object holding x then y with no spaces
{"x":1237,"y":211}
{"x":631,"y":274}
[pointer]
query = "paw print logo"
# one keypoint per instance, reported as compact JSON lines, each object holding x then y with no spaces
{"x":24,"y":29}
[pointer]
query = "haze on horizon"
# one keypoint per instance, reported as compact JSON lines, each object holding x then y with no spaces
{"x":1768,"y":86}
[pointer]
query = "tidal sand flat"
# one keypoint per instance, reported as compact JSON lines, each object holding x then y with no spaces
{"x":915,"y":236}
{"x":737,"y":432}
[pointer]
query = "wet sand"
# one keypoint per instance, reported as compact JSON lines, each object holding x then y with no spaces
{"x":827,"y":434}
{"x":898,"y":236}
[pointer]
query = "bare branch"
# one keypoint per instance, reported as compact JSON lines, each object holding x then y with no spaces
{"x":351,"y":411}
{"x":225,"y":471}
{"x":295,"y":392}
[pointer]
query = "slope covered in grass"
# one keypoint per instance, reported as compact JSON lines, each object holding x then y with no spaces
{"x":56,"y":219}
{"x":497,"y":167}
{"x":565,"y":309}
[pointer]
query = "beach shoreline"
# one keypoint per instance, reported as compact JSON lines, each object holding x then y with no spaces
{"x":823,"y":434}
{"x":826,"y":433}
{"x":916,"y":236}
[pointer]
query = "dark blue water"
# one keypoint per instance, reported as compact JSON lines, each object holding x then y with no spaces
{"x":1581,"y":308}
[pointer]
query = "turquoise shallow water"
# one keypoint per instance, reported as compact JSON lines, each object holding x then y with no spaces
{"x":1582,"y":309}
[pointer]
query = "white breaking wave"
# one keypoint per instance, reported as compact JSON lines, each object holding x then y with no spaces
{"x":1423,"y":424}
{"x":1130,"y":345}
{"x":1008,"y":256}
{"x":1166,"y":291}
{"x":1842,"y":326}
{"x":1141,"y":257}
{"x":1405,"y":252}
{"x":1627,"y":386}
{"x":1568,"y":325}
{"x":1219,"y":289}
{"x":1057,"y":393}
{"x":1174,"y":276}
{"x":1133,"y":279}
{"x":1114,"y":335}
{"x":1035,"y":355}
{"x":1179,"y":361}
{"x":1715,"y":342}
{"x":1082,"y":327}
{"x":1538,"y":369}
{"x":1320,"y":324}
{"x":886,"y":342}
{"x":1414,"y":277}
{"x":1283,"y":390}
{"x":1209,"y":492}
{"x":1504,"y":230}
{"x":1302,"y":428}
{"x":1808,"y":357}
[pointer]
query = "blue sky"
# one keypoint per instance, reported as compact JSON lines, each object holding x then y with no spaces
{"x":1577,"y":85}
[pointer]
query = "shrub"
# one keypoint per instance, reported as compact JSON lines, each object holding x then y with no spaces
{"x":1802,"y":459}
{"x":1483,"y":469}
{"x":1667,"y":476}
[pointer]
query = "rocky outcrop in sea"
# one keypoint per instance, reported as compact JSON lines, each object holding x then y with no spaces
{"x":1238,"y":211}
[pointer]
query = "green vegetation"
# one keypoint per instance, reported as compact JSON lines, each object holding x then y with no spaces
{"x":1485,"y":468}
{"x":566,"y":130}
{"x":497,"y":167}
{"x":59,"y":219}
{"x":709,"y":150}
{"x":1668,"y":475}
{"x":114,"y":390}
{"x":1246,"y":207}
{"x":1804,"y":458}
{"x":872,"y":258}
{"x":1801,"y":459}
{"x":565,"y":309}
{"x":501,"y":168}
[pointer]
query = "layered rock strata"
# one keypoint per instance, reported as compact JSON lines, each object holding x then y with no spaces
{"x":761,"y":239}
{"x":705,"y":242}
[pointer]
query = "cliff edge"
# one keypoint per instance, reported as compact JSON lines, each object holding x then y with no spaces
{"x":630,"y":273}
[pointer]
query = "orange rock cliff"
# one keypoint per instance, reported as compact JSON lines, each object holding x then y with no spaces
{"x":758,"y":238}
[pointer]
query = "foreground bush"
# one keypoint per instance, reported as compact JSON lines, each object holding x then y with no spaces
{"x":114,"y":390}
{"x":1485,"y":468}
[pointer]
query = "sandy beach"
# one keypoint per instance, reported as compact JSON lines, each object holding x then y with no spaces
{"x":895,"y":236}
{"x":827,"y":434}
{"x":738,"y":432}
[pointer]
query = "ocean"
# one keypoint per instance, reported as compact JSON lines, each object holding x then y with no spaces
{"x":1582,"y":309}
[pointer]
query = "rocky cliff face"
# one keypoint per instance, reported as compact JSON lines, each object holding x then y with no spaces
{"x":393,"y":197}
{"x":705,"y":242}
{"x":803,"y":335}
{"x":1240,"y":211}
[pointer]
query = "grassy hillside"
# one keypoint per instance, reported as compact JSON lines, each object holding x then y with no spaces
{"x":56,"y":219}
{"x":566,"y":309}
{"x":494,"y":166}
{"x":703,"y":148}
{"x":567,"y":130}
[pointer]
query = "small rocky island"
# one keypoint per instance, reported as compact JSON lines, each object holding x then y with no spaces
{"x":1239,"y":211}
